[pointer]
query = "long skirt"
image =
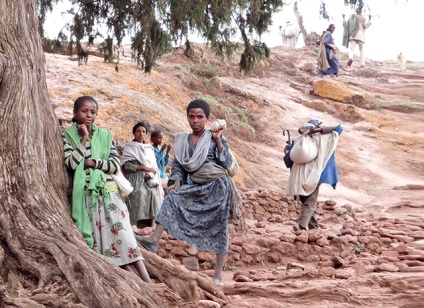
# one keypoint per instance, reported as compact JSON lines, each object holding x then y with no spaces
{"x":198,"y":215}
{"x":112,"y":232}
{"x":334,"y":65}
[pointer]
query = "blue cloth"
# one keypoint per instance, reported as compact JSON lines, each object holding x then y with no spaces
{"x":330,"y":174}
{"x":162,"y":161}
{"x":198,"y":214}
{"x":334,"y":62}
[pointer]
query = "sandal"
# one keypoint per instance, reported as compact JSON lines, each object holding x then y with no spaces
{"x":146,"y":244}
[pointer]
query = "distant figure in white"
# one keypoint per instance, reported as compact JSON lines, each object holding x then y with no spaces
{"x":289,"y":34}
{"x":354,"y":34}
{"x":402,"y":61}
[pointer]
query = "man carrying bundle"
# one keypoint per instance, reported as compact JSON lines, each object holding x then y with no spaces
{"x":312,"y":162}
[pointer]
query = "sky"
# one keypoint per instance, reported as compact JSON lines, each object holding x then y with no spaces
{"x":395,"y":25}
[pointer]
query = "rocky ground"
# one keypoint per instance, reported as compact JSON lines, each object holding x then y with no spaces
{"x":370,"y":248}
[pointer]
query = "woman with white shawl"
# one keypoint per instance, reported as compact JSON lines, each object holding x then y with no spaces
{"x":140,"y":168}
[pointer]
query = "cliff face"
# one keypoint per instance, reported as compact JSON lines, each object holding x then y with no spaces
{"x":379,"y":107}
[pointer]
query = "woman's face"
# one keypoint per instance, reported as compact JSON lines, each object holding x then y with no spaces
{"x":158,"y":139}
{"x":197,"y":119}
{"x":332,"y":28}
{"x":139,"y":134}
{"x":86,"y":113}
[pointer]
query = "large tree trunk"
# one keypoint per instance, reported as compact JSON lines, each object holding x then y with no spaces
{"x":44,"y":260}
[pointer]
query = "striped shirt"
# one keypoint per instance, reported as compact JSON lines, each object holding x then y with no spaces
{"x":74,"y":157}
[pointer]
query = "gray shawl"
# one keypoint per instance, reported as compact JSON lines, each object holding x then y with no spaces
{"x":193,"y":163}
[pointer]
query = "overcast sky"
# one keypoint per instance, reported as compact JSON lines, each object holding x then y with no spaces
{"x":396,"y":25}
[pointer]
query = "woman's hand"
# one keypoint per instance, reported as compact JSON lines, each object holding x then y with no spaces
{"x":89,"y":163}
{"x":174,"y":187}
{"x":168,"y":149}
{"x":147,"y":169}
{"x":83,"y":131}
{"x":163,"y":148}
{"x":217,"y":134}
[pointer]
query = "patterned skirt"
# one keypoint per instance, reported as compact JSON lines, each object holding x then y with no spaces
{"x":112,"y":232}
{"x":198,"y":215}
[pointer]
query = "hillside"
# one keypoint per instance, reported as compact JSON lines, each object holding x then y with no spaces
{"x":379,"y":156}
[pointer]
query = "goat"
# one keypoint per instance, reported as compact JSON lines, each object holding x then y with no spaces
{"x":402,"y":61}
{"x":82,"y":57}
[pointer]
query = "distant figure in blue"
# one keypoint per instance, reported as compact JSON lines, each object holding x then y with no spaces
{"x":328,"y":64}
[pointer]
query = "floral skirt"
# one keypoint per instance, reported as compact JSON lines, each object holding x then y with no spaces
{"x":112,"y":232}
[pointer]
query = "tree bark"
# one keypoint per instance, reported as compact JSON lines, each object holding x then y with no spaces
{"x":43,"y":258}
{"x":309,"y":39}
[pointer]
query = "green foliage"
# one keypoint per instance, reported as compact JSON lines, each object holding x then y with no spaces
{"x":411,"y":106}
{"x":378,"y":106}
{"x":205,"y":70}
{"x":154,"y":24}
{"x":413,"y":68}
{"x":358,"y":249}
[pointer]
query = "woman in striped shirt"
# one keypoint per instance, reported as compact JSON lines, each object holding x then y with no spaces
{"x":97,"y":209}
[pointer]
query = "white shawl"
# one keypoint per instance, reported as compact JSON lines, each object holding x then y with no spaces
{"x":145,"y":155}
{"x":304,"y":178}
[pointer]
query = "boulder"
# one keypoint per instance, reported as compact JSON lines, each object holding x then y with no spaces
{"x":191,"y":263}
{"x":359,"y":268}
{"x":303,"y":237}
{"x":288,"y":237}
{"x":338,"y":91}
{"x":268,"y":242}
{"x":327,"y":271}
{"x":340,"y":211}
{"x":337,"y":261}
{"x":179,"y":252}
{"x":192,"y":251}
{"x":345,"y":273}
{"x":251,"y":249}
{"x":387,"y":267}
{"x":322,"y":242}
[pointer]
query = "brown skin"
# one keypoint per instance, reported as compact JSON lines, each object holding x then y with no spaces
{"x":139,"y":135}
{"x":197,"y":120}
{"x":157,"y":141}
{"x":86,"y":115}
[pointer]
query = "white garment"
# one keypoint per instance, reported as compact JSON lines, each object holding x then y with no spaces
{"x":145,"y":155}
{"x":304,"y":178}
{"x":289,"y":41}
{"x":359,"y":38}
{"x":362,"y":24}
{"x":352,"y":47}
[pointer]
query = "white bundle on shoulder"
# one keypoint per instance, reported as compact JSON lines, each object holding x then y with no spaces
{"x":218,"y":124}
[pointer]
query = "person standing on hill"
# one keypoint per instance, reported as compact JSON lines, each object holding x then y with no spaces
{"x":357,"y":36}
{"x":161,"y":153}
{"x":289,"y":34}
{"x":97,"y":209}
{"x":328,"y":64}
{"x":306,"y":178}
{"x":200,"y":192}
